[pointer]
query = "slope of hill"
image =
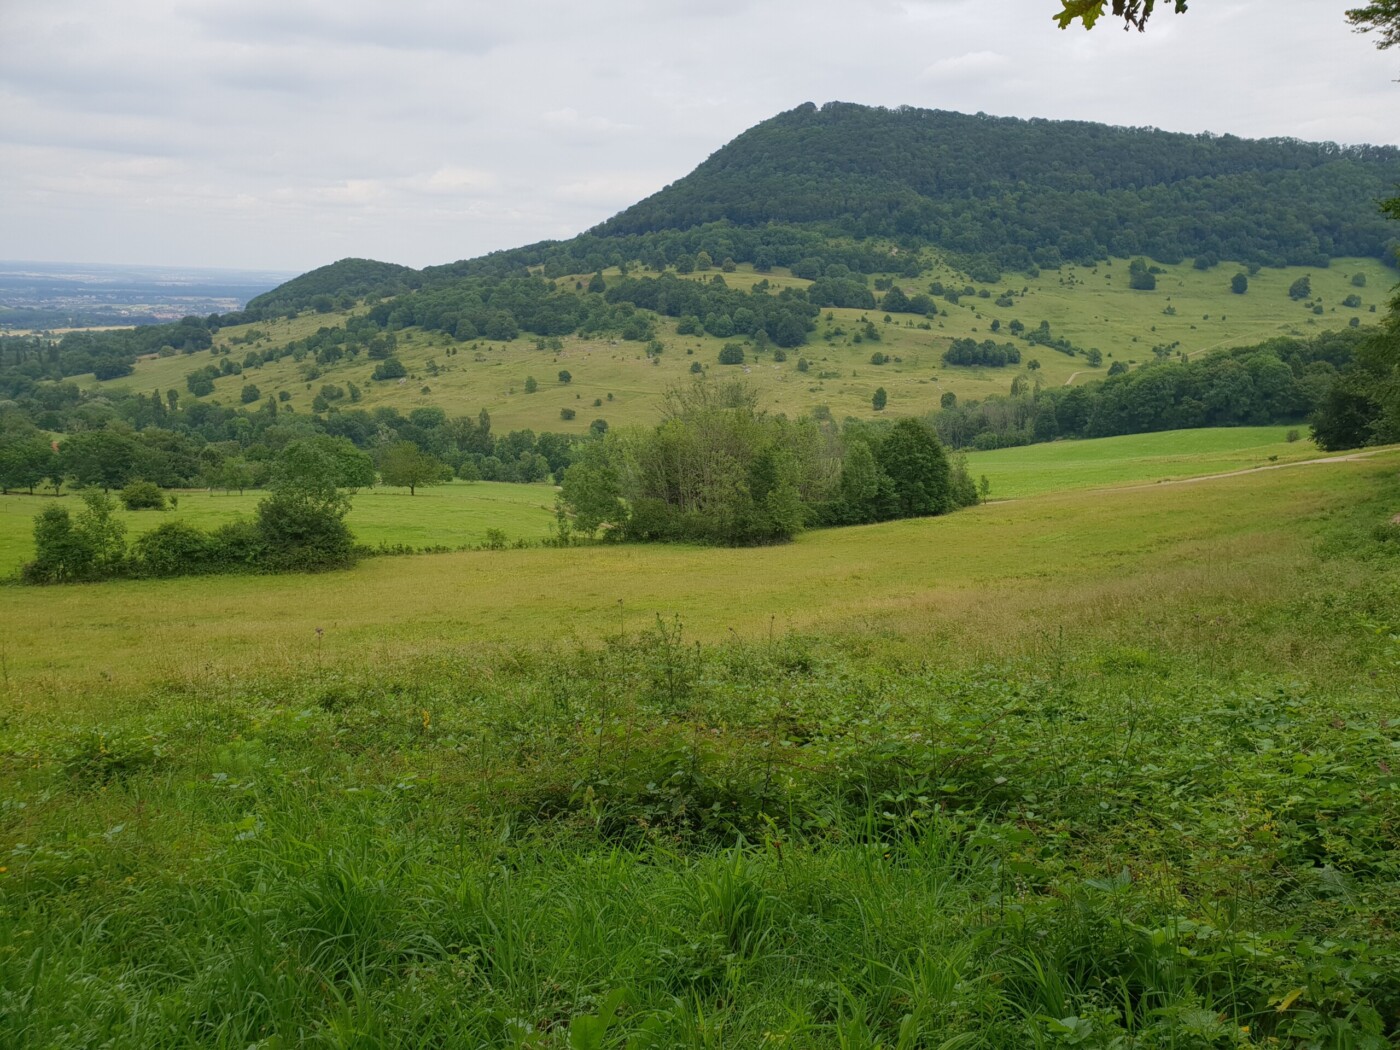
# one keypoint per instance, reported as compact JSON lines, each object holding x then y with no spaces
{"x":1192,"y":312}
{"x":851,"y":262}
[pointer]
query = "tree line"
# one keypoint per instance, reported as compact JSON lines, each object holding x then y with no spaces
{"x":107,"y":440}
{"x":1283,"y":380}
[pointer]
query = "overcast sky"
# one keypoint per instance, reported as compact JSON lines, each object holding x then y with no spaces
{"x":285,"y":134}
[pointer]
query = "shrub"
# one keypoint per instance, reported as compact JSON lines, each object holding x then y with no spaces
{"x":173,"y":549}
{"x":389,"y":368}
{"x":1140,"y":276}
{"x":91,"y":548}
{"x":731,"y":354}
{"x":142,"y":495}
{"x":567,"y":413}
{"x":236,"y":547}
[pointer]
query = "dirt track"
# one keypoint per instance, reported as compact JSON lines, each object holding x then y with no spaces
{"x":1348,"y":458}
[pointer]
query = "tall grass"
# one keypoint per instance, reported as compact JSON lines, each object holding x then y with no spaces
{"x":773,"y":843}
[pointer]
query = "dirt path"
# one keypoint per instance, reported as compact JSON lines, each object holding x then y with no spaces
{"x":1348,"y":458}
{"x":1073,"y":376}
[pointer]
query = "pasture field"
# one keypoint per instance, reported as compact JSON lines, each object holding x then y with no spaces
{"x":1093,"y":307}
{"x":453,"y":515}
{"x":1136,"y":459}
{"x":1099,"y":769}
{"x":967,"y":585}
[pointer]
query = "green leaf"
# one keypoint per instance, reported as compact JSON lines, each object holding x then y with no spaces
{"x":1086,"y":11}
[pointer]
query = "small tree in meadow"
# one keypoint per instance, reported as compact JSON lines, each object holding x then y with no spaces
{"x":405,"y":464}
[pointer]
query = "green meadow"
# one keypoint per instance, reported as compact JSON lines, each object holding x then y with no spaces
{"x":1108,"y":768}
{"x":459,"y":513}
{"x":984,"y":583}
{"x":1191,"y":311}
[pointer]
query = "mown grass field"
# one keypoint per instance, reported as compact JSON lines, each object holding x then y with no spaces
{"x":1137,"y":459}
{"x":452,"y":515}
{"x":1093,"y":307}
{"x":1102,"y":769}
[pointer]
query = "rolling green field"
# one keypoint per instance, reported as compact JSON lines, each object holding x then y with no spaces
{"x":1105,"y":769}
{"x":1137,"y":458}
{"x":1093,"y":307}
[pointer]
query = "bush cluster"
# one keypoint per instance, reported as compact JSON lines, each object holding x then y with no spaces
{"x":299,"y":527}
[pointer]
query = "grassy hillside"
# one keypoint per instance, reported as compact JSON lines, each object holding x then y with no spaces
{"x":459,"y":513}
{"x":1093,"y":308}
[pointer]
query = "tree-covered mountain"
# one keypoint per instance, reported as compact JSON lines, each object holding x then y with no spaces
{"x":1036,"y":191}
{"x":841,"y":183}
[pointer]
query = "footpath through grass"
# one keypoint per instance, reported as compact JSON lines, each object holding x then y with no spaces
{"x":1109,"y":771}
{"x":1099,"y":462}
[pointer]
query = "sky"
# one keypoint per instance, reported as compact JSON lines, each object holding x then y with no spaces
{"x":286,"y":134}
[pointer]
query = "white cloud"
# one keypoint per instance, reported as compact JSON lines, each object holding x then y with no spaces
{"x":972,"y":64}
{"x":571,"y":119}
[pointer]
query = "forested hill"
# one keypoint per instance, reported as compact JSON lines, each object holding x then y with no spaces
{"x":1037,"y":191}
{"x":338,"y":285}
